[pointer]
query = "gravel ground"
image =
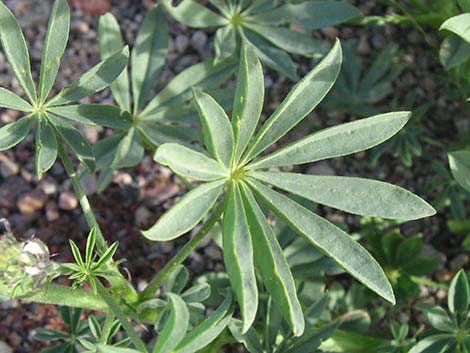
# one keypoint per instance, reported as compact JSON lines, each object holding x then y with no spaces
{"x":137,"y":197}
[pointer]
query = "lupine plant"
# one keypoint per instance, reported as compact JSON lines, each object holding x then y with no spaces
{"x":264,"y":25}
{"x":167,"y":117}
{"x":231,"y":171}
{"x":235,"y":175}
{"x":451,"y":328}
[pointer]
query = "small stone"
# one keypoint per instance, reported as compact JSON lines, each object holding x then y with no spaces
{"x":94,"y":7}
{"x":52,"y":212}
{"x":67,"y":201}
{"x":199,"y":40}
{"x":7,"y":167}
{"x":142,"y":216}
{"x":181,"y":43}
{"x":31,"y":202}
{"x":121,"y":178}
{"x":48,"y":186}
{"x":321,"y":168}
{"x":5,"y":348}
{"x":459,"y":261}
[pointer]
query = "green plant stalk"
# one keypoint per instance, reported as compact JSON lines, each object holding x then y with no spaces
{"x":184,"y":252}
{"x":66,"y":296}
{"x":118,"y":281}
{"x":83,"y":199}
{"x":114,"y":307}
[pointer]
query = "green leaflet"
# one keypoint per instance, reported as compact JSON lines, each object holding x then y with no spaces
{"x":192,"y":14}
{"x":312,"y":14}
{"x":148,"y":55}
{"x":208,"y":330}
{"x":459,"y":162}
{"x":54,"y":47}
{"x":95,"y":114}
{"x":74,"y":140}
{"x":300,"y":101}
{"x":176,"y":326}
{"x":130,"y":150}
{"x":458,"y":298}
{"x":94,"y":80}
{"x":238,"y":256}
{"x":189,"y":163}
{"x":330,"y":239}
{"x":337,"y":141}
{"x":16,"y":51}
{"x":269,"y":54}
{"x":110,"y":42}
{"x":46,"y":147}
{"x":288,"y":40}
{"x":187,"y":213}
{"x":10,"y":100}
{"x":460,"y":25}
{"x":13,"y":133}
{"x":225,"y":43}
{"x":270,"y":260}
{"x":204,"y":75}
{"x":218,"y":133}
{"x":433,"y":344}
{"x":249,"y":99}
{"x":354,"y":195}
{"x":113,"y":349}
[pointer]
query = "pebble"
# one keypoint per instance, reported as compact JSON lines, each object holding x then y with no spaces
{"x":67,"y":201}
{"x":52,"y":212}
{"x":181,"y":43}
{"x":459,"y":261}
{"x":321,"y":168}
{"x":5,"y":348}
{"x":48,"y":186}
{"x":142,"y":216}
{"x":7,"y":166}
{"x":31,"y":202}
{"x":199,"y":40}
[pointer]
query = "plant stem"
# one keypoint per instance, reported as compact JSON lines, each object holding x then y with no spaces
{"x":118,"y":281}
{"x":182,"y":254}
{"x":84,"y":203}
{"x":103,"y":292}
{"x":62,"y":295}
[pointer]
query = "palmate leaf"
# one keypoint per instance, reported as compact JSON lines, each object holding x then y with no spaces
{"x":329,"y":238}
{"x":458,"y":298}
{"x":194,"y":15}
{"x":130,"y":150}
{"x":459,"y":162}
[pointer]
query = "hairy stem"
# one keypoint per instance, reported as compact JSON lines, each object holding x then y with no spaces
{"x":62,"y":295}
{"x":182,"y":254}
{"x":103,"y":292}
